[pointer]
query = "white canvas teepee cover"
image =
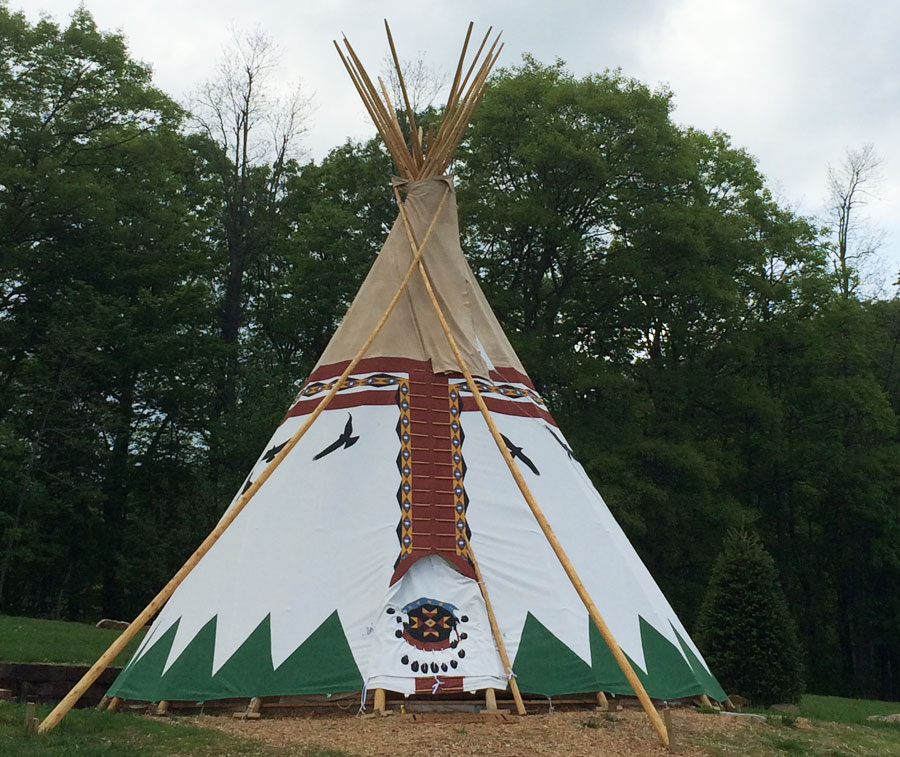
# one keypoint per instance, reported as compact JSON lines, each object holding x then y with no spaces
{"x":350,"y":567}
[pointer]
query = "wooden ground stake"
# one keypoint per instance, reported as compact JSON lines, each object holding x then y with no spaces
{"x":162,"y":709}
{"x":492,"y":619}
{"x":252,"y":712}
{"x":104,"y":700}
{"x":66,"y":704}
{"x":704,"y":700}
{"x":30,"y":720}
{"x":490,"y":700}
{"x":602,"y":701}
{"x":667,"y":719}
{"x":380,"y":699}
{"x":557,"y":547}
{"x":114,"y":704}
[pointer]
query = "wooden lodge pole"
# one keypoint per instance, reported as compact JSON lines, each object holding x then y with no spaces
{"x":66,"y":704}
{"x":607,"y":635}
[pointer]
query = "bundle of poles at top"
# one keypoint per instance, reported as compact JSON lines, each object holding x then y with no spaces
{"x":428,"y":153}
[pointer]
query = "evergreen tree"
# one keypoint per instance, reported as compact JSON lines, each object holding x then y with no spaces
{"x":745,"y":629}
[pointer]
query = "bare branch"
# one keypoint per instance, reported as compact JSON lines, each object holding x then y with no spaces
{"x":423,"y":81}
{"x":851,"y":185}
{"x":241,"y":109}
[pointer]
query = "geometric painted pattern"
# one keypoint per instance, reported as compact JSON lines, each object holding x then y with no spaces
{"x":352,"y":382}
{"x":404,"y":465}
{"x":460,"y":498}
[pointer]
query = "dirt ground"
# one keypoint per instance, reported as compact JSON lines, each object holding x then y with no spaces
{"x":572,"y":734}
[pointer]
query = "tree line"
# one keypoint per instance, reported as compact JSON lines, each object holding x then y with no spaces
{"x":169,"y":277}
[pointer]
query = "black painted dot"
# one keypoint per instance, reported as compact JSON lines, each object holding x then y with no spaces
{"x":405,"y":659}
{"x":434,"y":667}
{"x":444,"y":666}
{"x":398,"y":633}
{"x":465,"y":618}
{"x":461,"y":636}
{"x":453,"y":664}
{"x":415,"y":666}
{"x":399,"y":619}
{"x":454,"y":644}
{"x":390,"y":611}
{"x":461,"y":653}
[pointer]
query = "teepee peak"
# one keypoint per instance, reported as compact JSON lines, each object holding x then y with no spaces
{"x":424,"y":154}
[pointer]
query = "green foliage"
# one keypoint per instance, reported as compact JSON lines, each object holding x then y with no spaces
{"x":102,"y":309}
{"x":745,"y":628}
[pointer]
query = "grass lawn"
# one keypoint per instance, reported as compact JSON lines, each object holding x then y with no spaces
{"x":35,"y":640}
{"x":99,"y":734}
{"x":837,"y":728}
{"x":841,"y":710}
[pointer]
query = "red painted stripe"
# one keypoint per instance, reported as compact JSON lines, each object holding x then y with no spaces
{"x":406,"y":365}
{"x":446,"y":684}
{"x":340,"y":401}
{"x":507,"y":407}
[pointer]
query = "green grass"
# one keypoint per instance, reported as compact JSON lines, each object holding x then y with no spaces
{"x":841,"y":710}
{"x":97,"y":734}
{"x":35,"y":640}
{"x":837,"y":728}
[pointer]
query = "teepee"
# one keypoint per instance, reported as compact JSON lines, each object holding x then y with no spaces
{"x":417,"y":523}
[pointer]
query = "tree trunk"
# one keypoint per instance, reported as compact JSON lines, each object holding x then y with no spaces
{"x":111,"y":599}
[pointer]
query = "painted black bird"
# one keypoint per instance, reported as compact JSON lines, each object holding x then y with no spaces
{"x":561,"y":443}
{"x":517,"y":452}
{"x":270,"y":454}
{"x":344,"y":440}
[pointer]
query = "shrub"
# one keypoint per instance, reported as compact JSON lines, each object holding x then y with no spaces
{"x":745,"y":629}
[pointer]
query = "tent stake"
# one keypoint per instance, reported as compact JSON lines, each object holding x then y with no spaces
{"x":607,"y":635}
{"x":66,"y":704}
{"x":492,"y":619}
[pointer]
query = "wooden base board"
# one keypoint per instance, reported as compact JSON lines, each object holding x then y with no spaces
{"x":489,"y":716}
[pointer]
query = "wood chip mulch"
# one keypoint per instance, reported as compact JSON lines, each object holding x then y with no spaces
{"x":628,"y":732}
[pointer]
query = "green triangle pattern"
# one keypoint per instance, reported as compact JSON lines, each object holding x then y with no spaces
{"x":323,"y":664}
{"x":544,"y":665}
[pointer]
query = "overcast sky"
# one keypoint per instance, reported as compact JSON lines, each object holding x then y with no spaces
{"x":795,"y":82}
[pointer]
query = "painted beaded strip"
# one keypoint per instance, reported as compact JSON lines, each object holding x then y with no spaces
{"x":512,"y":391}
{"x":460,"y":498}
{"x":404,"y":465}
{"x":371,"y":381}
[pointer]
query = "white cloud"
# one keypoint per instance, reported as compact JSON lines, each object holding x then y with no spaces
{"x":796,"y":83}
